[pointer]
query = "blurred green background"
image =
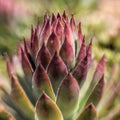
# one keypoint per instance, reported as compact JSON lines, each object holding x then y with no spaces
{"x":100,"y":20}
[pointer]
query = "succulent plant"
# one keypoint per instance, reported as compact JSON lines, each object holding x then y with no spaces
{"x":54,"y":77}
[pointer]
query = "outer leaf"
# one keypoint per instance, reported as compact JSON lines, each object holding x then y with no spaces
{"x":42,"y":83}
{"x":68,"y":96}
{"x":4,"y":115}
{"x":89,"y":113}
{"x":109,"y":99}
{"x":82,"y":52}
{"x":99,"y":71}
{"x":9,"y":65}
{"x":19,"y":97}
{"x":56,"y":71}
{"x":27,"y":67}
{"x":46,"y":109}
{"x":113,"y":114}
{"x":97,"y":92}
{"x":96,"y":77}
{"x":80,"y":72}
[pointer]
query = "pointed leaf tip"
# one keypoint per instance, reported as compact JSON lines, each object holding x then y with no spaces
{"x":56,"y":71}
{"x":53,"y":43}
{"x":89,"y":113}
{"x":67,"y":54}
{"x":68,"y":96}
{"x":96,"y":93}
{"x":82,"y":52}
{"x":46,"y":109}
{"x":41,"y":82}
{"x":10,"y":69}
{"x":43,"y":56}
{"x":100,"y":68}
{"x":20,"y":98}
{"x":81,"y":70}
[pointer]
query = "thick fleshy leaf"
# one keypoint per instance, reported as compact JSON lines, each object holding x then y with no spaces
{"x":80,"y":36}
{"x":97,"y":93}
{"x":25,"y":63}
{"x":17,"y":66}
{"x":42,"y":83}
{"x":59,"y":31}
{"x":4,"y":115}
{"x":96,"y":77}
{"x":46,"y":109}
{"x":64,"y":16}
{"x":82,"y":52}
{"x":89,"y":113}
{"x":35,"y":44}
{"x":89,"y":53}
{"x":67,"y":54}
{"x":100,"y":68}
{"x":80,"y":72}
{"x":68,"y":96}
{"x":20,"y":99}
{"x":53,"y":43}
{"x":109,"y":99}
{"x":10,"y":69}
{"x":27,"y":46}
{"x":56,"y":71}
{"x":53,"y":18}
{"x":74,"y":30}
{"x":68,"y":36}
{"x":45,"y":33}
{"x":43,"y":56}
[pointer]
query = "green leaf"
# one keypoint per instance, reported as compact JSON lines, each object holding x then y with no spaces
{"x":97,"y":92}
{"x":4,"y":115}
{"x":89,"y":113}
{"x":68,"y":96}
{"x":20,"y":99}
{"x":46,"y":109}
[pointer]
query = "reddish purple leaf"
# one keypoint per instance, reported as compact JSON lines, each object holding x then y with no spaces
{"x":53,"y":18}
{"x":43,"y":56}
{"x":82,"y":52}
{"x":80,"y":35}
{"x":59,"y":30}
{"x":25,"y":63}
{"x":96,"y":93}
{"x":65,"y":18}
{"x":89,"y":53}
{"x":9,"y":65}
{"x":45,"y":33}
{"x":100,"y":68}
{"x":41,"y":82}
{"x":53,"y":43}
{"x":56,"y":71}
{"x":34,"y":44}
{"x":80,"y":72}
{"x":67,"y":54}
{"x":73,"y":25}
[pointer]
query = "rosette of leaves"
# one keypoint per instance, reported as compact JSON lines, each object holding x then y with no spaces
{"x":54,"y":77}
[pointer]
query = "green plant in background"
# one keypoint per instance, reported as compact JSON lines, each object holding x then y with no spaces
{"x":54,"y":77}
